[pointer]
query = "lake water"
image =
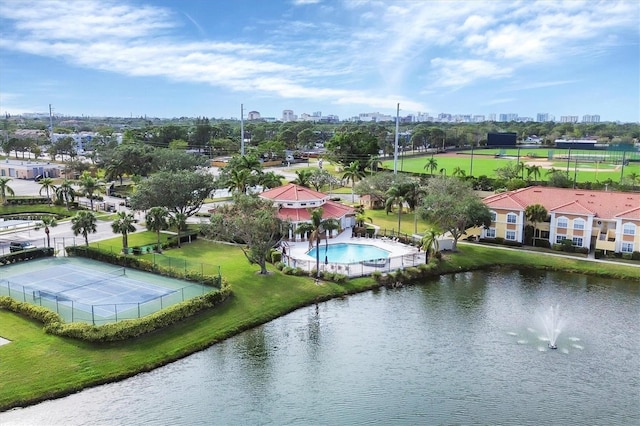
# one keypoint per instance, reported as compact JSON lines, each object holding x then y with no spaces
{"x":461,"y":349}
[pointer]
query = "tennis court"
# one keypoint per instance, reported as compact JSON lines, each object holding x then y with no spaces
{"x":90,"y":291}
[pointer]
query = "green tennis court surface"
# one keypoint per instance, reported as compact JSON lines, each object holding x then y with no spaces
{"x":90,"y":291}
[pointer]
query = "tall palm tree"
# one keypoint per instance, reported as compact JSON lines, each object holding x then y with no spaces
{"x":429,"y":243}
{"x":157,"y":220}
{"x":352,"y":174}
{"x":179,"y":221}
{"x":432,"y":165}
{"x":535,"y":213}
{"x":46,"y":184}
{"x":5,"y":189}
{"x":65,"y":192}
{"x":316,"y":228}
{"x":84,"y":222}
{"x":123,"y":224}
{"x":89,"y":186}
{"x":395,"y":195}
{"x":48,"y":222}
{"x":374,"y":163}
{"x":533,"y":170}
{"x":458,"y":172}
{"x":303,"y":178}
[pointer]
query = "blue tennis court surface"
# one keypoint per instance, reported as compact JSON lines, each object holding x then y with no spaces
{"x":101,"y":290}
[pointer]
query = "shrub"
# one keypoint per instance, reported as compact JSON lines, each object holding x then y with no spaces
{"x":626,"y":256}
{"x":276,"y":256}
{"x":19,"y":256}
{"x":376,"y":275}
{"x":280,"y":266}
{"x":635,"y":255}
{"x":288,"y":270}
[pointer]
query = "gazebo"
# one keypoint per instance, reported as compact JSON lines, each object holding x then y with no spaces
{"x":295,"y":203}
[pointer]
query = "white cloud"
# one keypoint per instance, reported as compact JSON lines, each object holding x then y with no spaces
{"x":367,"y":52}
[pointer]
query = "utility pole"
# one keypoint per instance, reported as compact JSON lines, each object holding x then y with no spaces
{"x":395,"y":151}
{"x":241,"y":129}
{"x":50,"y":125}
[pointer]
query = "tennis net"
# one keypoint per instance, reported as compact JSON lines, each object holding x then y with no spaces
{"x":105,"y":276}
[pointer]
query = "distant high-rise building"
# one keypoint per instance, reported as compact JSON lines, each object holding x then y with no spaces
{"x":542,"y":117}
{"x":491,"y":117}
{"x":478,"y":118}
{"x":568,"y":118}
{"x":591,"y":118}
{"x":288,"y":115}
{"x":253,"y":115}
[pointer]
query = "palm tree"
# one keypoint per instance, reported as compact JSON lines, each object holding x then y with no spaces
{"x":458,"y":171}
{"x":89,"y":186}
{"x":533,"y":170}
{"x":66,"y":193}
{"x":316,"y":227}
{"x":124,"y":225}
{"x":157,"y":220}
{"x":432,"y":165}
{"x":303,"y":178}
{"x":179,"y":221}
{"x":374,"y":163}
{"x":5,"y":189}
{"x":633,"y":178}
{"x":48,"y":222}
{"x":47,"y":185}
{"x":239,"y":180}
{"x":84,"y":222}
{"x":535,"y":213}
{"x":353,"y":173}
{"x":395,"y":195}
{"x":271,"y":180}
{"x":429,"y":243}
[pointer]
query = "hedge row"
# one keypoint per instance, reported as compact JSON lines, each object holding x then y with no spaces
{"x":402,"y":276}
{"x":21,"y":255}
{"x":127,"y":329}
{"x":324,"y":275}
{"x":143,"y":265}
{"x":24,"y":201}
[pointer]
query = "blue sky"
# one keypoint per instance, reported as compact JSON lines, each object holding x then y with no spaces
{"x":173,"y":58}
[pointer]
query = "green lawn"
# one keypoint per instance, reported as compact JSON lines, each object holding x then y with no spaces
{"x":36,"y":366}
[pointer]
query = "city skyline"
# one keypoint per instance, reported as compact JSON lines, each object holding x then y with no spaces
{"x":168,"y":58}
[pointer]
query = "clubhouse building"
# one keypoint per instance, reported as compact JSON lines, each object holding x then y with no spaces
{"x":603,"y":220}
{"x":295,"y":203}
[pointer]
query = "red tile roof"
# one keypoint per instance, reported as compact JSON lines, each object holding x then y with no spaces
{"x":602,"y":204}
{"x":330,"y":209}
{"x":293,"y":192}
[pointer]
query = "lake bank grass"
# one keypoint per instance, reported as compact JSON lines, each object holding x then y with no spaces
{"x":36,"y":366}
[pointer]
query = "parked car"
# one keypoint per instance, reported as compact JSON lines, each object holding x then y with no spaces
{"x":20,"y":245}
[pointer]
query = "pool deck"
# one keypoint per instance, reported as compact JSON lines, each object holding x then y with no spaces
{"x":399,"y":254}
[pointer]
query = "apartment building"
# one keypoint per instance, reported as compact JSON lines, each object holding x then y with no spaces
{"x":603,"y":220}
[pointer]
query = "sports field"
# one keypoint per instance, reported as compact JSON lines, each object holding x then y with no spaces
{"x":586,"y":166}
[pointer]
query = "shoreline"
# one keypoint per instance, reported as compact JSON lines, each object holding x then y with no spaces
{"x":198,"y":333}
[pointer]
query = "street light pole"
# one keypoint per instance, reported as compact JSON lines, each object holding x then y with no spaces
{"x":395,"y":150}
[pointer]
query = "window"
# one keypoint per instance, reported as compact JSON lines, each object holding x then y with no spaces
{"x":562,"y":222}
{"x":510,"y":235}
{"x":577,"y":241}
{"x":578,"y":224}
{"x":629,"y":229}
{"x":494,"y":216}
{"x":490,"y":233}
{"x":512,"y":218}
{"x":627,"y":247}
{"x":560,"y":238}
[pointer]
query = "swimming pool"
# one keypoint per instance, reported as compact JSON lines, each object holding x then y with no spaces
{"x":349,"y":253}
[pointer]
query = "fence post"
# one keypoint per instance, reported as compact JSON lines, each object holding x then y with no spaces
{"x":138,"y":309}
{"x":93,"y":318}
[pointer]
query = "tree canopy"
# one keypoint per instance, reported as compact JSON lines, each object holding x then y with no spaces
{"x":180,"y":193}
{"x":249,"y":220}
{"x":451,"y":205}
